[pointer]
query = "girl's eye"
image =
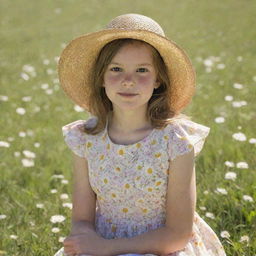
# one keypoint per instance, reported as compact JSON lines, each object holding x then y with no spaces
{"x":142,"y":70}
{"x":116,"y":69}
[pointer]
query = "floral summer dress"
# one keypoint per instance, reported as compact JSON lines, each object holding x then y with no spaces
{"x":130,"y":181}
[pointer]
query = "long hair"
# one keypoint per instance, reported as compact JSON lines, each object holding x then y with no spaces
{"x":159,"y":110}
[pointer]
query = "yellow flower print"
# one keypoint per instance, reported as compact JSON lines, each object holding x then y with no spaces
{"x":104,"y":137}
{"x":113,"y":195}
{"x":138,"y":145}
{"x":121,"y":152}
{"x":139,"y":167}
{"x":118,"y":169}
{"x":191,"y":130}
{"x":157,"y":155}
{"x":109,"y":220}
{"x":141,"y":201}
{"x":102,"y":157}
{"x":149,"y":171}
{"x":149,"y":189}
{"x":166,"y":137}
{"x":190,"y":146}
{"x":153,"y":142}
{"x":125,"y":210}
{"x":89,"y":144}
{"x":145,"y":210}
{"x":108,"y":146}
{"x":113,"y":228}
{"x":138,"y":177}
{"x":158,"y":183}
{"x":105,"y":180}
{"x":183,"y":138}
{"x":127,"y":186}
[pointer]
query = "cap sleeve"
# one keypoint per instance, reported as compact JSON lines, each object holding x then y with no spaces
{"x":75,"y":137}
{"x":186,"y":135}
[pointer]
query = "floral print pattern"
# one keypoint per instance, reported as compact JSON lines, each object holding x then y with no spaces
{"x":130,"y":181}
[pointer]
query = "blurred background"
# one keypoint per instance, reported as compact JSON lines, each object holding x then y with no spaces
{"x":35,"y":164}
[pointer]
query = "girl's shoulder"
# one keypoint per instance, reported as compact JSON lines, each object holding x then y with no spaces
{"x":79,"y":125}
{"x":184,"y":135}
{"x":75,"y":136}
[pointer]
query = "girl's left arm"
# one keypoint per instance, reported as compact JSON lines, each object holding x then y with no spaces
{"x":180,"y":208}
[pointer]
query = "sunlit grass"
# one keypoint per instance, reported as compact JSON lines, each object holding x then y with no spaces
{"x":36,"y":181}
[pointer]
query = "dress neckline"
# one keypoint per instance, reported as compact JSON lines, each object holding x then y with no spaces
{"x":147,"y":137}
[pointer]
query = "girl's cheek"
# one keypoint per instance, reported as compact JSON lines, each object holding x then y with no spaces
{"x":112,"y":78}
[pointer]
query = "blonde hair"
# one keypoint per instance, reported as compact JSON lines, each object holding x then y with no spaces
{"x":159,"y":111}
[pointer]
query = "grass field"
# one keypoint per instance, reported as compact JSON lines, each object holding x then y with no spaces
{"x":35,"y":167}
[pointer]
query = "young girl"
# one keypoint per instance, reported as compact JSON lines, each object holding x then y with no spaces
{"x":134,"y":174}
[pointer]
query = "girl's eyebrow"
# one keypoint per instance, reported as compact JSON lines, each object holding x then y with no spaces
{"x":142,"y":64}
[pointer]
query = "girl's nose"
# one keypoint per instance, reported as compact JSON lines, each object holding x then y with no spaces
{"x":128,"y":80}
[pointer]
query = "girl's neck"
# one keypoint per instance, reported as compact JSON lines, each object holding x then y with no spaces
{"x":128,"y":122}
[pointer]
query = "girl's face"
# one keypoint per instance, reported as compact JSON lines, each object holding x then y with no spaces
{"x":130,"y":78}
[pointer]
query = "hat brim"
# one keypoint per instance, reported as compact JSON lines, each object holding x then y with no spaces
{"x":77,"y":60}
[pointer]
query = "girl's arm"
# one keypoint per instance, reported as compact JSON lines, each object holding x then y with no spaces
{"x":180,"y":207}
{"x":83,"y":198}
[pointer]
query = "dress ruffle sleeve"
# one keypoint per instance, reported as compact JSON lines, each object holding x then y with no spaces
{"x":186,"y":135}
{"x":74,"y":137}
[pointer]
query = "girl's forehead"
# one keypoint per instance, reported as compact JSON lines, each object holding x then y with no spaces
{"x":135,"y":50}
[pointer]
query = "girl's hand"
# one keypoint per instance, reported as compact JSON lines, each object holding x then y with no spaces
{"x":88,"y":242}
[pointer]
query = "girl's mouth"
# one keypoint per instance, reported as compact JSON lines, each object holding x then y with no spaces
{"x":127,"y":94}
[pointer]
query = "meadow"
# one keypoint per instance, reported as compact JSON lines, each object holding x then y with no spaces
{"x":35,"y":164}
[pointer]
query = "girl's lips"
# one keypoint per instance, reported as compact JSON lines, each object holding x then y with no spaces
{"x":127,"y":94}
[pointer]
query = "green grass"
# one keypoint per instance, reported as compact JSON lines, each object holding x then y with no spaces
{"x":32,"y":31}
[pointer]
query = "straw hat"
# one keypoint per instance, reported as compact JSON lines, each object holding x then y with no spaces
{"x":77,"y":59}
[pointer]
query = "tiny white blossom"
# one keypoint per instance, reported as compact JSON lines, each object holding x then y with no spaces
{"x":244,"y":239}
{"x":3,"y":98}
{"x":64,"y":181}
{"x":229,"y":98}
{"x":10,"y":139}
{"x":208,"y":69}
{"x":55,"y":230}
{"x":44,"y":86}
{"x":36,"y":144}
{"x":57,"y":218}
{"x":54,"y":191}
{"x":206,"y":192}
{"x":242,"y":165}
{"x":229,"y":164}
{"x":239,"y":136}
{"x":13,"y":237}
{"x":68,"y":205}
{"x":210,"y":215}
{"x":61,"y":239}
{"x":222,"y":191}
{"x":32,"y":223}
{"x":4,"y":144}
{"x":49,"y":91}
{"x":57,"y":176}
{"x":64,"y":196}
{"x":2,"y":216}
{"x":203,"y":208}
{"x":230,"y":176}
{"x":238,"y":86}
{"x":225,"y":234}
{"x":24,"y":76}
{"x":252,"y":140}
{"x":220,"y":66}
{"x":46,"y":62}
{"x":41,"y":206}
{"x":17,"y":154}
{"x":26,"y":98}
{"x":21,"y":111}
{"x":22,"y":134}
{"x":57,"y":58}
{"x":78,"y":108}
{"x":239,"y":58}
{"x":37,"y":109}
{"x":29,"y":154}
{"x":27,"y":162}
{"x":49,"y":71}
{"x":208,"y":62}
{"x":219,"y":120}
{"x":247,"y":198}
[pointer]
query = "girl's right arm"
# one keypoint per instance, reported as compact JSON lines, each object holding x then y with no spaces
{"x":83,"y":197}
